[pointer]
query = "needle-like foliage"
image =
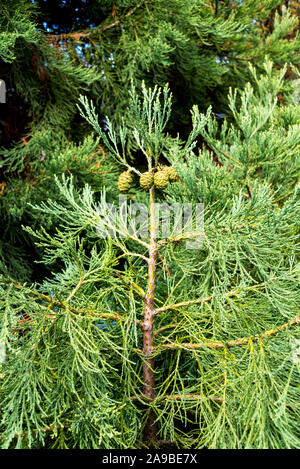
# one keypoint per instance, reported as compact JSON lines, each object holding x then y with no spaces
{"x":139,"y":340}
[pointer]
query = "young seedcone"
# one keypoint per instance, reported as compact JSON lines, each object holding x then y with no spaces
{"x":161,"y":179}
{"x":146,"y":180}
{"x":125,"y":180}
{"x":172,"y":173}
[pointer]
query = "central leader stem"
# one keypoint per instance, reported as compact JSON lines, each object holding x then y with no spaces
{"x":148,"y":336}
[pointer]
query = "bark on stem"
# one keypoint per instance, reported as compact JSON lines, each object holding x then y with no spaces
{"x":148,"y":335}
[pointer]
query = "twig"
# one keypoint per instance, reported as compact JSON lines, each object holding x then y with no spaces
{"x":234,"y":343}
{"x":177,"y":397}
{"x":137,"y":289}
{"x":81,"y":34}
{"x":191,"y":302}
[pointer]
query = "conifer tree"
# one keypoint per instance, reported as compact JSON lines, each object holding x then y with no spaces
{"x":141,"y":341}
{"x":53,"y":51}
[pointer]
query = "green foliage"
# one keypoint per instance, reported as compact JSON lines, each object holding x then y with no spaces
{"x":45,"y":78}
{"x":37,"y":122}
{"x":39,"y":161}
{"x":16,"y":28}
{"x":225,"y":313}
{"x":200,"y":48}
{"x":259,"y":143}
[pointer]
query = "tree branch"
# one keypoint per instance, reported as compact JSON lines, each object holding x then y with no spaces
{"x":81,"y":34}
{"x":191,"y":302}
{"x":234,"y":343}
{"x":176,"y":397}
{"x":86,"y":312}
{"x":209,"y":298}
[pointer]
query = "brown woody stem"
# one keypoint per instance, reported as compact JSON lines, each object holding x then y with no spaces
{"x":148,"y":334}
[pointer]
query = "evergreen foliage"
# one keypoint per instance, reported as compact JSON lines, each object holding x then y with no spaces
{"x":37,"y":123}
{"x":200,"y":48}
{"x":51,"y":52}
{"x":220,"y":322}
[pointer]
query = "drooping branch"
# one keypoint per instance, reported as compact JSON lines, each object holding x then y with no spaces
{"x":209,"y":298}
{"x":81,"y":311}
{"x":234,"y":343}
{"x":149,"y":309}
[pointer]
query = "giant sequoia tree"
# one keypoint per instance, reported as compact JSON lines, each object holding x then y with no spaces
{"x":122,"y":339}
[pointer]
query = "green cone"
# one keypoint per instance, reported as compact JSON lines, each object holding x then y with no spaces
{"x":161,"y":179}
{"x":125,"y":180}
{"x":146,"y":180}
{"x":172,"y":173}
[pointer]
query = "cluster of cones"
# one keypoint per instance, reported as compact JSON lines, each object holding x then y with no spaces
{"x":159,"y":177}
